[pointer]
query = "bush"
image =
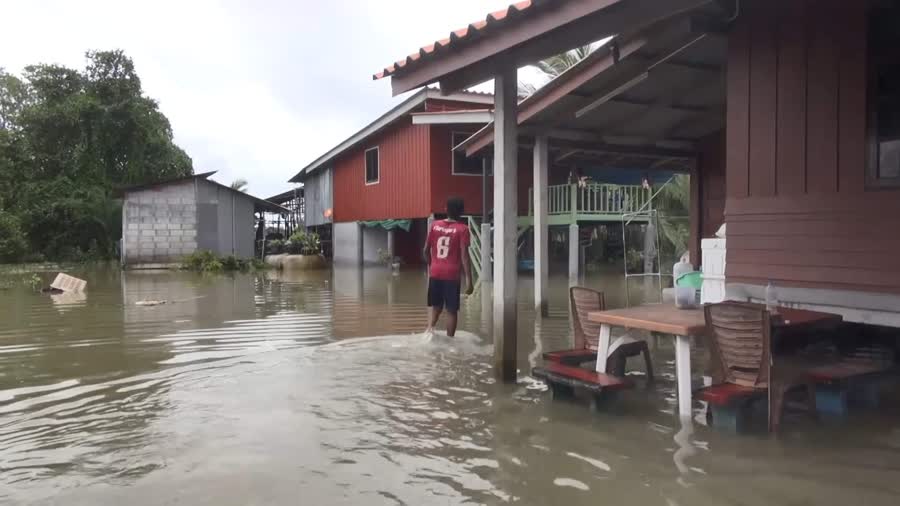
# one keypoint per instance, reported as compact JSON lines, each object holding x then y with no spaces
{"x":202,"y":261}
{"x":13,"y":245}
{"x":635,"y":261}
{"x":275,"y":247}
{"x":303,"y":243}
{"x":207,"y":261}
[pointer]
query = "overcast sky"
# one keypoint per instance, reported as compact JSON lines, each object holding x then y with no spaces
{"x":253,"y":89}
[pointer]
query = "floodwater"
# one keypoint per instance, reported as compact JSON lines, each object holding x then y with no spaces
{"x":318,"y":388}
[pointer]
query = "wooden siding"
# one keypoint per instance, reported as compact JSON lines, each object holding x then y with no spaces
{"x":712,"y":176}
{"x":404,"y":177}
{"x":443,"y":183}
{"x":797,"y":209}
{"x":414,"y":172}
{"x":707,"y":193}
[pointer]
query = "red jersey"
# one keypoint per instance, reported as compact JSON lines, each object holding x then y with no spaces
{"x":448,"y":241}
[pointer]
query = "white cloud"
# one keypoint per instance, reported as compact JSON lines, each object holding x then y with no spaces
{"x":252,"y":89}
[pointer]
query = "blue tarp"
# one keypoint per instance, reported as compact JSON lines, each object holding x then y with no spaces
{"x":389,"y":224}
{"x":625,"y":176}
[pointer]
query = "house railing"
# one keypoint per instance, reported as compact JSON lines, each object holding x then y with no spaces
{"x":593,"y":199}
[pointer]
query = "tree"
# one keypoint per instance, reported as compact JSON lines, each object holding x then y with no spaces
{"x":68,"y":140}
{"x":13,"y":96}
{"x":554,"y":66}
{"x":673,"y":202}
{"x":239,"y":184}
{"x":12,"y":240}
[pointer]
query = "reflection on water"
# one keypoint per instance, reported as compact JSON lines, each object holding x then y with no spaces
{"x":318,"y":388}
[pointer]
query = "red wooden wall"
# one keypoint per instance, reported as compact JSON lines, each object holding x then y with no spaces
{"x":443,"y":183}
{"x":798,"y":210}
{"x":712,"y":184}
{"x":404,"y":178}
{"x":415,"y":173}
{"x":707,"y":192}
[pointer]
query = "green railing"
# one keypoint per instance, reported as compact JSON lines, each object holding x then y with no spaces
{"x":593,"y":199}
{"x":475,"y":246}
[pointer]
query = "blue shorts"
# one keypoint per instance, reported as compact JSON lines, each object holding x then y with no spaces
{"x":443,"y":294}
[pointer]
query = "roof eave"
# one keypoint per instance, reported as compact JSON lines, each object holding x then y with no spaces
{"x":539,"y":34}
{"x":385,"y":120}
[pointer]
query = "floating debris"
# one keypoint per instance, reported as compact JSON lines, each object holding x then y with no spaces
{"x":66,"y":283}
{"x":151,"y":302}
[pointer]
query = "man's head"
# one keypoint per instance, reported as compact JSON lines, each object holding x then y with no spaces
{"x":455,"y":208}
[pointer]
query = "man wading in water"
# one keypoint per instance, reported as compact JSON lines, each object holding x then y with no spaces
{"x":446,"y":250}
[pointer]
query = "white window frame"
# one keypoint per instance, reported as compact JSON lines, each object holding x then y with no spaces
{"x":453,"y":157}
{"x":366,"y":166}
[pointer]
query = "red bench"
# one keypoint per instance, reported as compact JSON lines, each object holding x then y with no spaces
{"x":730,"y":405}
{"x":564,"y":379}
{"x":727,"y":394}
{"x":848,"y":382}
{"x":571,"y":357}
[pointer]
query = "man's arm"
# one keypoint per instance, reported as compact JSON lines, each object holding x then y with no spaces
{"x":467,"y":269}
{"x":426,"y":251}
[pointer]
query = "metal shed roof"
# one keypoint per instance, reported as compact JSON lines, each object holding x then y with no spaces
{"x":259,"y":204}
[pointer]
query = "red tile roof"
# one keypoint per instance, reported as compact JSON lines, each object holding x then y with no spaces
{"x":462,"y":35}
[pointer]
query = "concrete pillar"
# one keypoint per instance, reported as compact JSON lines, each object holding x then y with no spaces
{"x":541,"y":227}
{"x":574,"y":253}
{"x":390,"y":244}
{"x":486,"y":274}
{"x":505,"y":223}
{"x":359,"y":244}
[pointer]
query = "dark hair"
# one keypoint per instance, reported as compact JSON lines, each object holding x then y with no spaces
{"x":455,"y":208}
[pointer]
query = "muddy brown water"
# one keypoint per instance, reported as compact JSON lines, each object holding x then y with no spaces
{"x":320,"y":389}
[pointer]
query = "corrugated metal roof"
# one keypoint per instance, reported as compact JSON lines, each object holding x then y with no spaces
{"x":492,"y":21}
{"x":287,"y":196}
{"x":144,"y":186}
{"x":259,"y":203}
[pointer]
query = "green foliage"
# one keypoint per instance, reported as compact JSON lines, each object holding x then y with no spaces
{"x":634,"y":260}
{"x":33,"y":281}
{"x":239,"y":184}
{"x":555,"y":65}
{"x":673,"y":205}
{"x":12,"y":240}
{"x":68,"y":140}
{"x":275,"y":247}
{"x":303,"y":243}
{"x":207,"y":261}
{"x":202,"y":261}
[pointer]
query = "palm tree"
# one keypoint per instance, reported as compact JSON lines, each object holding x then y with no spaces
{"x":673,"y":202}
{"x":556,"y":65}
{"x":552,"y":67}
{"x":239,"y":184}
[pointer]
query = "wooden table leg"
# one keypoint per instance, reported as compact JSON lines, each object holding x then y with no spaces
{"x":683,"y":374}
{"x":603,"y":348}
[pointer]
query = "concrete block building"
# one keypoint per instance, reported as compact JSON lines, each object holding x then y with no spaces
{"x":163,"y":222}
